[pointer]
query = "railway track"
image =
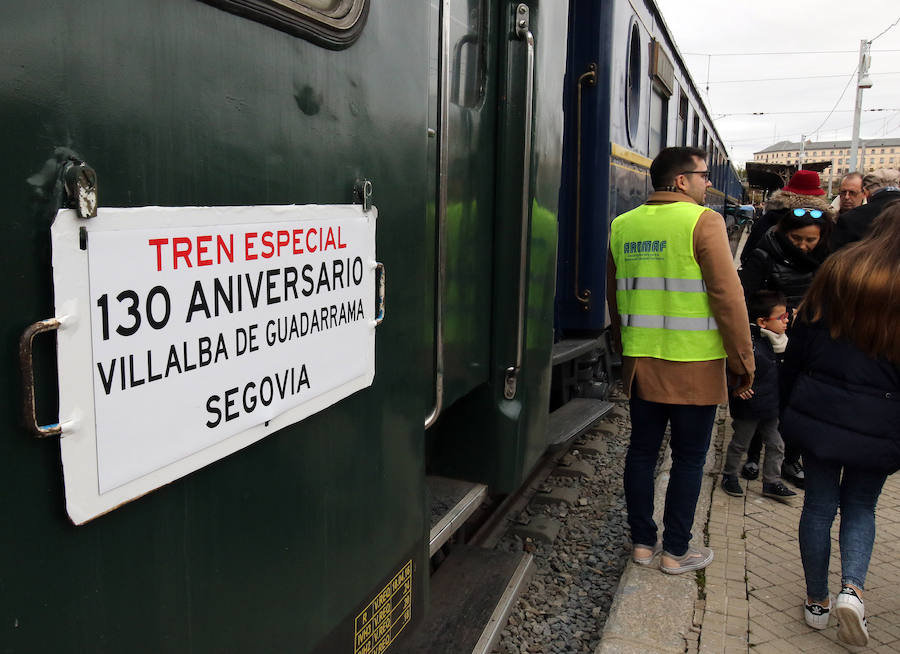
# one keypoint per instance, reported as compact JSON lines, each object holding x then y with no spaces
{"x":537,"y":570}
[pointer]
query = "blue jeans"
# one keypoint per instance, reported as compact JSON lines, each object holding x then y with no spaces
{"x":691,"y":430}
{"x":856,"y":493}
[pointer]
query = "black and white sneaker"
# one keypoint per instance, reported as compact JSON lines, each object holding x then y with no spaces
{"x":816,"y":614}
{"x":851,"y":615}
{"x":778,"y":491}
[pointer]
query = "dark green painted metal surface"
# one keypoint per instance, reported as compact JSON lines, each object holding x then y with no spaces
{"x":485,"y":437}
{"x":179,"y":103}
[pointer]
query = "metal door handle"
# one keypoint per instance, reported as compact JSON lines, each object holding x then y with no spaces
{"x":441,"y":212}
{"x":589,"y":78}
{"x":523,"y":33}
{"x":26,"y":366}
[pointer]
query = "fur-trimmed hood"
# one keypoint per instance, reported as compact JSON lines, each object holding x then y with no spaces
{"x":782,"y":199}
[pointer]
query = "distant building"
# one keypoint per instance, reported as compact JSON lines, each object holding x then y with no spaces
{"x":873,"y":153}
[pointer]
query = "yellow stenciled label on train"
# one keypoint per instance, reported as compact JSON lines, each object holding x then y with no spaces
{"x":385,"y":617}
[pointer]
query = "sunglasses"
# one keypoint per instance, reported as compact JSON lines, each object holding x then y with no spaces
{"x":702,"y":173}
{"x":815,"y":214}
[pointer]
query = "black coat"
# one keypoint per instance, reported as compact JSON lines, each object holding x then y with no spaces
{"x":839,"y":404}
{"x":854,"y":224}
{"x":777,"y":265}
{"x":760,"y":227}
{"x":764,"y":403}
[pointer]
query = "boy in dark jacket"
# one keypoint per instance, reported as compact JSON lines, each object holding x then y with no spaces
{"x":757,"y":408}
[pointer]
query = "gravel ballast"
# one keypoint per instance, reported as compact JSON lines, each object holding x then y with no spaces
{"x":568,"y":601}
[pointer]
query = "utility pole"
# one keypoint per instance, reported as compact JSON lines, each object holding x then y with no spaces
{"x":862,"y":82}
{"x":802,"y":152}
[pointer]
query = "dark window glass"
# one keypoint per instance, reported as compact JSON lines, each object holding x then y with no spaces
{"x":468,"y":43}
{"x":659,"y":119}
{"x":682,"y":119}
{"x":633,"y":84}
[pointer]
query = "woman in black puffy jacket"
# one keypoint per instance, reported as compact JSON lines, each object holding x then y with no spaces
{"x":788,"y":255}
{"x":841,"y":381}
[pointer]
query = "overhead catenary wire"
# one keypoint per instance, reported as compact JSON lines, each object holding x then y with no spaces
{"x":809,"y":111}
{"x":887,"y":29}
{"x":841,"y":97}
{"x":779,"y":54}
{"x":787,"y":79}
{"x":780,"y":137}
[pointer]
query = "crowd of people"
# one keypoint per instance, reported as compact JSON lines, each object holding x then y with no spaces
{"x":802,"y":343}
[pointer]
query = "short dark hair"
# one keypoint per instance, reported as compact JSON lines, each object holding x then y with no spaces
{"x":789,"y":222}
{"x":762,"y":302}
{"x":671,"y":162}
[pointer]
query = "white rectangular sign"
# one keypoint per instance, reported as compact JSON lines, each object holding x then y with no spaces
{"x":189,"y":333}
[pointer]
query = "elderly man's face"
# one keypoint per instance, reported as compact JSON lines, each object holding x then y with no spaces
{"x":851,"y":193}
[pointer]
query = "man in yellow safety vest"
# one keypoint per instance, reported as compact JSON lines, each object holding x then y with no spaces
{"x":677,"y":311}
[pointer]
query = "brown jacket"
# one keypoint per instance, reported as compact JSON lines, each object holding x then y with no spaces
{"x":693,"y":382}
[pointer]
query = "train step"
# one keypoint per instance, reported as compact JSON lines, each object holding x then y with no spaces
{"x":472,"y":595}
{"x":453,"y":501}
{"x":571,"y":348}
{"x":573,"y":419}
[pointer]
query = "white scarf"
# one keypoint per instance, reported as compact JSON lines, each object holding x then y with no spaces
{"x":778,"y":341}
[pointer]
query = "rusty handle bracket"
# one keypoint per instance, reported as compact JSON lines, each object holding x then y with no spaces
{"x":26,"y":365}
{"x":379,"y":271}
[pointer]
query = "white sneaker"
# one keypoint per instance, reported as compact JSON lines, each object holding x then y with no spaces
{"x":851,"y":615}
{"x":816,"y":614}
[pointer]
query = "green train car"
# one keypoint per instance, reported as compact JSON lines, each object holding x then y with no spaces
{"x":280,"y":275}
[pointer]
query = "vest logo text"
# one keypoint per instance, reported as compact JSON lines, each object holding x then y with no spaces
{"x":633,"y":247}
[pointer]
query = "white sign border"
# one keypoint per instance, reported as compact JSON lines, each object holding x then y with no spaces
{"x":75,"y":361}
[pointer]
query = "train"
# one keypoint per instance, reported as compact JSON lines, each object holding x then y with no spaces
{"x":284,"y":275}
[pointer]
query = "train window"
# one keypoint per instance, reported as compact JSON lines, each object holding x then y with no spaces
{"x":467,"y":30}
{"x":633,"y":84}
{"x":704,"y":141}
{"x":334,"y":24}
{"x":681,"y":134}
{"x":695,"y":138}
{"x":659,"y":119}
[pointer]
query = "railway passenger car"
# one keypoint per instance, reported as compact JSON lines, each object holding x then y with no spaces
{"x":494,"y":139}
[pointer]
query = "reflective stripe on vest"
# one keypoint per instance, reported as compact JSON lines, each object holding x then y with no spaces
{"x":660,"y":290}
{"x":660,"y":284}
{"x":669,"y":322}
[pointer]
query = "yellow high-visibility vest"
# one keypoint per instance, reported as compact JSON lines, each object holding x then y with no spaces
{"x":659,"y":286}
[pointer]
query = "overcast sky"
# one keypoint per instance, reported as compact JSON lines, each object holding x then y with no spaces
{"x":721,"y":28}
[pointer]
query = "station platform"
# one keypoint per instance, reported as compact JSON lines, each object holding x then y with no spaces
{"x":749,"y":600}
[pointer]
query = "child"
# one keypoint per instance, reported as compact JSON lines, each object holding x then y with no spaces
{"x":757,"y":408}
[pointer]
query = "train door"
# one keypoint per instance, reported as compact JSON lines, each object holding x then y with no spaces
{"x":464,"y":85}
{"x":498,"y":169}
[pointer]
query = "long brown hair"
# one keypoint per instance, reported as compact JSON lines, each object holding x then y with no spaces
{"x":856,"y":292}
